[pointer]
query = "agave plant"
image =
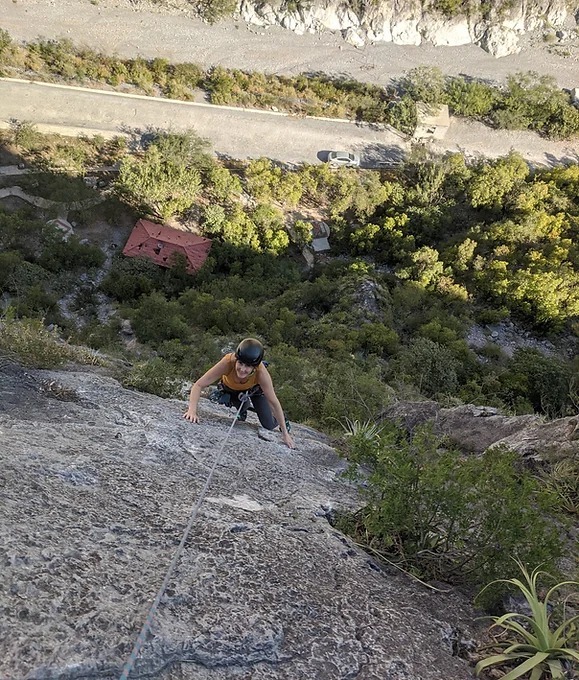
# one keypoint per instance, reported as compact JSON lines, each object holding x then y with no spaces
{"x":366,"y":429}
{"x":530,"y":640}
{"x":563,"y":480}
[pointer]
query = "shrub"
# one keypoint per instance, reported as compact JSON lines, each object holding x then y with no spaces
{"x":492,"y":182}
{"x":131,"y":277}
{"x":158,"y":182}
{"x":102,"y":336}
{"x":222,"y":185}
{"x":215,"y":10}
{"x":402,"y":115}
{"x":438,"y":513}
{"x":155,"y":376}
{"x":562,"y":480}
{"x":536,"y":102}
{"x":429,"y":366}
{"x":223,"y":316}
{"x":469,"y":98}
{"x":424,"y":84}
{"x":220,"y":84}
{"x":214,"y":217}
{"x":316,"y":390}
{"x":544,"y":382}
{"x":36,"y":302}
{"x":157,"y":319}
{"x":5,"y":42}
{"x":25,"y":135}
{"x":58,"y":254}
{"x":375,"y":338}
{"x":31,"y":343}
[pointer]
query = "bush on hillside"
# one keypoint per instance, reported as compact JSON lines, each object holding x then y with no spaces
{"x":543,"y":384}
{"x":31,"y":343}
{"x":155,"y":376}
{"x":427,"y":365}
{"x":437,"y":514}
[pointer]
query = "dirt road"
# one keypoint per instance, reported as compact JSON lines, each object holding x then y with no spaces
{"x":136,"y":27}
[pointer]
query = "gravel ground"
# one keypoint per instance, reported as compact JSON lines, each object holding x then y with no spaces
{"x":140,"y":27}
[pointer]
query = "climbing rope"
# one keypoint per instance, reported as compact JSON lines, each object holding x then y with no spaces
{"x":128,"y":667}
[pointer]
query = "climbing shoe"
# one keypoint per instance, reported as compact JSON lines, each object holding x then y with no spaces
{"x":215,"y":395}
{"x":242,"y":416}
{"x":218,"y":396}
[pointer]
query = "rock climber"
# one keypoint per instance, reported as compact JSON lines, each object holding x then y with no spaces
{"x":239,"y":372}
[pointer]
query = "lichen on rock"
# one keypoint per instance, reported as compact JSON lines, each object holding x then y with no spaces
{"x":96,"y":494}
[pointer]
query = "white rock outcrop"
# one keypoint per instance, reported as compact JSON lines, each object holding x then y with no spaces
{"x":407,"y":22}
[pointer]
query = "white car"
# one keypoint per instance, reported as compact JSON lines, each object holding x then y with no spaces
{"x":343,"y":158}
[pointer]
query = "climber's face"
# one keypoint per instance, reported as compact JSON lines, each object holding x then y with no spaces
{"x":243,"y":370}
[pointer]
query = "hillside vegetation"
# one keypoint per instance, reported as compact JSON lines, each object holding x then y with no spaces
{"x":418,"y":255}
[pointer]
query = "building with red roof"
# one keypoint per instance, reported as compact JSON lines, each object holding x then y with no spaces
{"x":159,"y":244}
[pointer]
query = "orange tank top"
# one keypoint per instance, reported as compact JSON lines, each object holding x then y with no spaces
{"x":231,"y":381}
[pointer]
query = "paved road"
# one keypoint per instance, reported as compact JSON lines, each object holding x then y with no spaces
{"x":243,"y":133}
{"x":239,"y":133}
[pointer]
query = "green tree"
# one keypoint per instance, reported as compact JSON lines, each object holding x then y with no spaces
{"x":222,"y":184}
{"x":130,"y":277}
{"x":424,"y":84}
{"x":156,"y":319}
{"x":425,"y":267}
{"x":214,"y":217}
{"x":469,"y":97}
{"x":303,"y":232}
{"x":376,"y":338}
{"x":163,"y":187}
{"x":182,"y":148}
{"x":535,"y":101}
{"x":289,"y":189}
{"x":464,"y":254}
{"x":270,"y":224}
{"x":240,"y":230}
{"x":544,"y":383}
{"x":431,"y":367}
{"x":492,"y":183}
{"x":262,"y":177}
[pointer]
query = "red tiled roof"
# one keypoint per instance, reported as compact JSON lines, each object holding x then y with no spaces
{"x":158,"y":243}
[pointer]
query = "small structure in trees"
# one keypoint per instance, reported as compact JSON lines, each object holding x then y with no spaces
{"x":318,"y":244}
{"x":320,"y":234}
{"x":160,"y":244}
{"x":433,"y":121}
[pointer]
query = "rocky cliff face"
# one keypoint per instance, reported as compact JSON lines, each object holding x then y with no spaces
{"x":477,"y":428}
{"x":96,"y":487}
{"x":409,"y":22}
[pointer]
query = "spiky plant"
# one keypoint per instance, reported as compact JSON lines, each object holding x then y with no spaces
{"x":530,"y":640}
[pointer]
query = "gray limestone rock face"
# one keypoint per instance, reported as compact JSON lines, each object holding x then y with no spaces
{"x":478,"y":428}
{"x":97,"y":487}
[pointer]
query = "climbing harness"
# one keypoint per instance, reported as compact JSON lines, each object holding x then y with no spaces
{"x":128,"y":667}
